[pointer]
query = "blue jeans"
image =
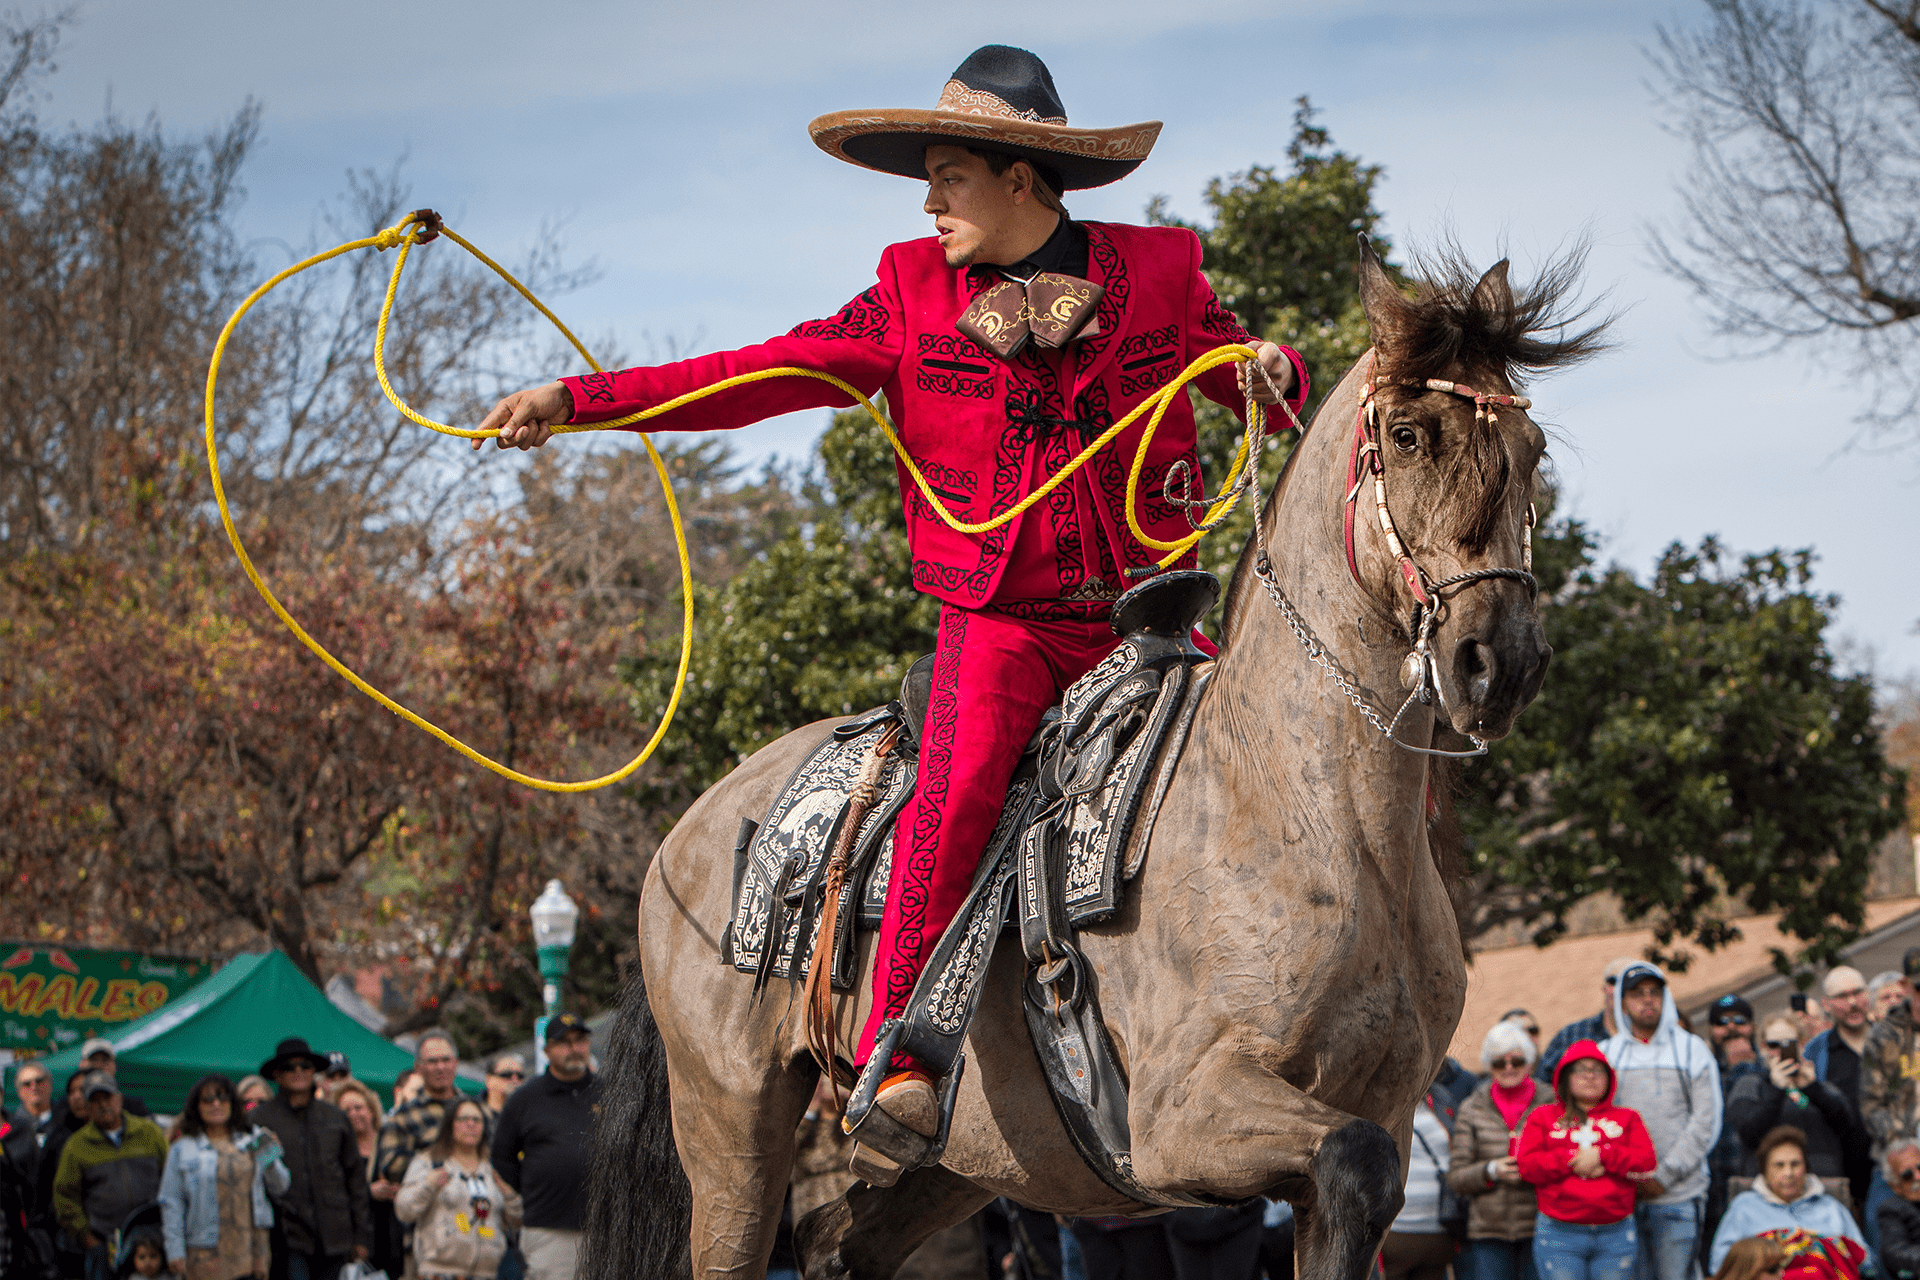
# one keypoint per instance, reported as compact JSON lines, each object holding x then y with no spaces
{"x":1669,"y":1235}
{"x":1570,"y":1251}
{"x":1490,"y":1259}
{"x":1878,"y":1193}
{"x":99,"y":1263}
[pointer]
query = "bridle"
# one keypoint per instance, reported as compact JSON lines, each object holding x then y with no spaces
{"x":1364,"y":461}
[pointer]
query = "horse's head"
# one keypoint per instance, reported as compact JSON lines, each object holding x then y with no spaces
{"x":1458,"y":470}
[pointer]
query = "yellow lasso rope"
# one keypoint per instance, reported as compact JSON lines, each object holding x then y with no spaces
{"x":408,"y":232}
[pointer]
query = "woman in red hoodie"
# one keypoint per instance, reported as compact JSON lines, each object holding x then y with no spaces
{"x":1585,"y":1157}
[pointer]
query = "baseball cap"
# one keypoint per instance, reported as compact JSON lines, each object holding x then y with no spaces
{"x":337,"y":1065}
{"x":1639,"y":971}
{"x":98,"y":1044}
{"x":99,"y":1082}
{"x":1727,"y":1006}
{"x":563,"y":1024}
{"x":1617,"y":966}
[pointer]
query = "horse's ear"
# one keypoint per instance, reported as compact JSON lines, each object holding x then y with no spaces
{"x":1493,"y":293}
{"x":1385,"y":307}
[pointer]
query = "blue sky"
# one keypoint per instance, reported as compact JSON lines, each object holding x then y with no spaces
{"x":669,"y":144}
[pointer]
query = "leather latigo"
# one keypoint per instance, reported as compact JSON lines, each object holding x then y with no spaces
{"x":1050,"y":308}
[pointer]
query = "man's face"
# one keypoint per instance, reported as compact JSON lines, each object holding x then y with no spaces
{"x":104,"y":1110}
{"x":438,"y":1065}
{"x":972,"y":206}
{"x":296,"y":1078}
{"x":35,"y":1087}
{"x":1905,"y":1167}
{"x":567,"y":1056}
{"x":1846,"y":1002}
{"x":1730,"y":1027}
{"x":506,"y":1075}
{"x":1643,"y":1002}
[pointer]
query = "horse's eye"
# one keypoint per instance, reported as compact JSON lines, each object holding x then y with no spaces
{"x":1404,"y":439}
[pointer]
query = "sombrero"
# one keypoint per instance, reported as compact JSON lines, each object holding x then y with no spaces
{"x":999,"y":99}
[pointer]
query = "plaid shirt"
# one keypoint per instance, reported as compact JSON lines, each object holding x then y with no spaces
{"x":410,"y":1130}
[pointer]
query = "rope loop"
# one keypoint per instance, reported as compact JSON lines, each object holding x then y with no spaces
{"x":423,"y":226}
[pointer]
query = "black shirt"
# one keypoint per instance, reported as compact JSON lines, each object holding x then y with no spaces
{"x":541,"y":1143}
{"x":1843,"y":1068}
{"x":1064,"y":253}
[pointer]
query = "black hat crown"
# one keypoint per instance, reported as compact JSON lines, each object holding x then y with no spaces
{"x":1014,"y":76}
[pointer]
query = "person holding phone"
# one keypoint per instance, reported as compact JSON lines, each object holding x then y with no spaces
{"x":1791,"y":1093}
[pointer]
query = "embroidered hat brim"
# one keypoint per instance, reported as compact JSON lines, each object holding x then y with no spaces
{"x":896,"y":141}
{"x":1000,"y":99}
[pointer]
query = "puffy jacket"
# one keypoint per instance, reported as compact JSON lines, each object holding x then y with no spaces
{"x":190,"y":1194}
{"x":449,"y":1237}
{"x":1758,"y":1210}
{"x":1495,"y":1210}
{"x":1551,"y":1137}
{"x":99,"y":1184}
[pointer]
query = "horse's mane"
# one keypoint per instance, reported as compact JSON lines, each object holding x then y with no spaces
{"x":1449,"y":322}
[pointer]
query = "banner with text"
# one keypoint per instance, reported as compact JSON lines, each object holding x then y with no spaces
{"x":54,"y":997}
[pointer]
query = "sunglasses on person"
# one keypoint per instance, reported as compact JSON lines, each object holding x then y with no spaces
{"x":1908,"y":1175}
{"x":1733,"y":1020}
{"x":1508,"y":1063}
{"x":510,"y":1074}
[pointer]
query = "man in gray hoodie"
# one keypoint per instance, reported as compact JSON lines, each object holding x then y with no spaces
{"x":1670,"y":1077}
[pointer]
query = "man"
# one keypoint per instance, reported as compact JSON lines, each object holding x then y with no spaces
{"x":1899,"y":1215}
{"x":540,"y":1147}
{"x":1670,"y":1077}
{"x":325,"y":1215}
{"x":505,"y":1074}
{"x":32,"y":1121}
{"x":1887,"y":990}
{"x":1835,"y":1056}
{"x":1596,"y":1028}
{"x":1003,"y":345}
{"x":1730,"y":1035}
{"x":413,"y":1126}
{"x":338,"y":1071}
{"x":1888,"y":1069}
{"x":107,"y":1170}
{"x":97,"y":1055}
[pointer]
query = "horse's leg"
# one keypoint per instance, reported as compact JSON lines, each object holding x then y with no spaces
{"x":1236,"y":1128}
{"x":868,"y":1233}
{"x":737,"y":1144}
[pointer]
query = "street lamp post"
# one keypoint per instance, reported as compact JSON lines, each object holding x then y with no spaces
{"x":554,"y":918}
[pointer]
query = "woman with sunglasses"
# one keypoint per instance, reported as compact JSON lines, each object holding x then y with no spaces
{"x":1482,"y":1169}
{"x":214,"y":1211}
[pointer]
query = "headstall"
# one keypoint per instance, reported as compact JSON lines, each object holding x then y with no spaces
{"x":1365,"y":461}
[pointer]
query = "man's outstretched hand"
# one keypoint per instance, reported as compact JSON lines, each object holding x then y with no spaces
{"x":526,"y":419}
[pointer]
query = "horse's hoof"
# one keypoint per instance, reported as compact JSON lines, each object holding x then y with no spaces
{"x":909,"y":1098}
{"x":872,"y":1167}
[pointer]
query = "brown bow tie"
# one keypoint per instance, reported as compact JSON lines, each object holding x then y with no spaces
{"x":1051,"y":309}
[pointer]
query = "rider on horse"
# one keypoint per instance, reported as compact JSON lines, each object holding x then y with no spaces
{"x":1003,"y":344}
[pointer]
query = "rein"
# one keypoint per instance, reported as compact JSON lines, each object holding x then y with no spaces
{"x":1364,"y":461}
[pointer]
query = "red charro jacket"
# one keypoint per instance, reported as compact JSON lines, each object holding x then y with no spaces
{"x":1550,"y":1138}
{"x":984,"y":432}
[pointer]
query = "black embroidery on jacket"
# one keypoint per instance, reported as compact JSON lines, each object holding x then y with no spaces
{"x":864,"y":317}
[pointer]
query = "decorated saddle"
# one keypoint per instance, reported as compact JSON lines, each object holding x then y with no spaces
{"x":1073,"y":830}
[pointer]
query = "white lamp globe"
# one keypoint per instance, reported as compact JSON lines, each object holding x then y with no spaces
{"x":554,"y":917}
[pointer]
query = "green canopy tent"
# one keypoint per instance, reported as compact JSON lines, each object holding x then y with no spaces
{"x":230,"y":1023}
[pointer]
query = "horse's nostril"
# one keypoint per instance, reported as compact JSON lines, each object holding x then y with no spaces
{"x":1476,"y":661}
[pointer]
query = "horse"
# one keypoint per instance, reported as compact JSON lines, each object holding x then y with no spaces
{"x":1288,"y":969}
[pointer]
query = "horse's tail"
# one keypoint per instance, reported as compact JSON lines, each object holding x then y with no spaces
{"x":639,"y":1205}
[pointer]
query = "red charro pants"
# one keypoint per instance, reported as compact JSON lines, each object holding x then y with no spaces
{"x":994,"y":675}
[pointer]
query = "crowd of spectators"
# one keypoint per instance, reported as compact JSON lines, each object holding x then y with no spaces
{"x":1627,"y":1148}
{"x":299,"y":1173}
